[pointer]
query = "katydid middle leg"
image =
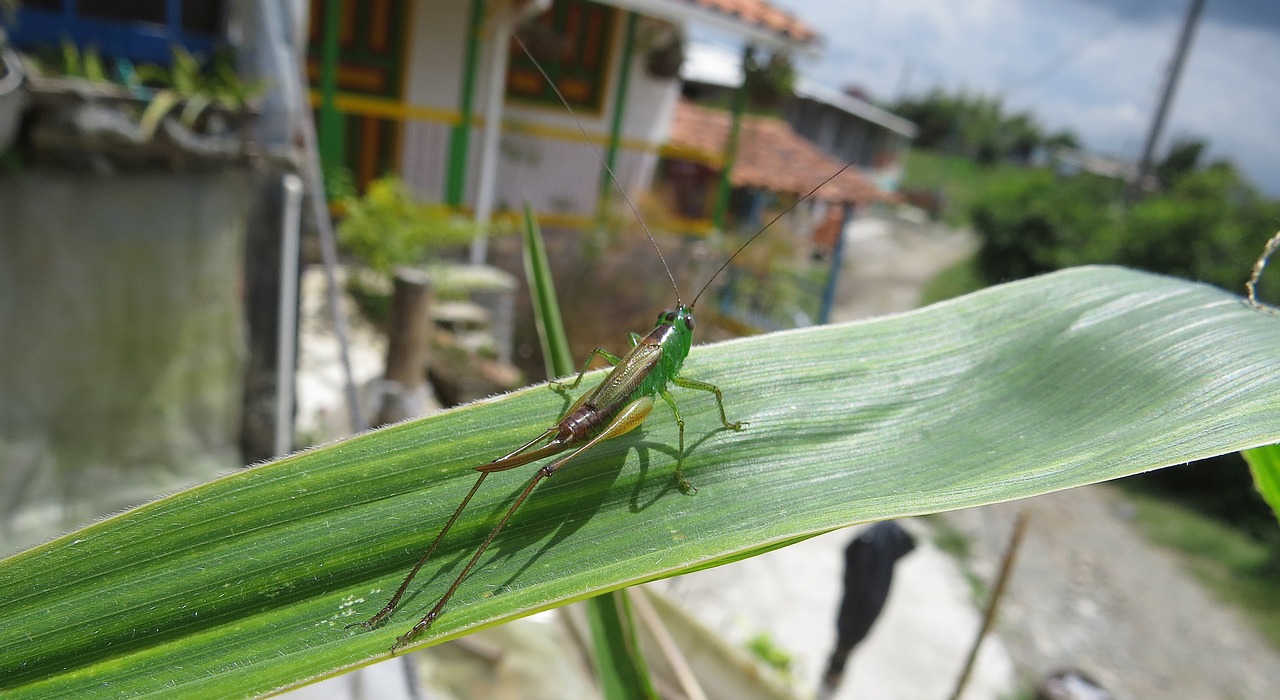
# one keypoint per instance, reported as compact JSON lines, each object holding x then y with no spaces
{"x":707,"y":386}
{"x":685,"y":484}
{"x":598,"y":352}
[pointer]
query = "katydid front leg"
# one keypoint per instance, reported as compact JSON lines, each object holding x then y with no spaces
{"x":685,"y":484}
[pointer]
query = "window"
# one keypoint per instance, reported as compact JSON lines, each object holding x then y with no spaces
{"x":572,"y":41}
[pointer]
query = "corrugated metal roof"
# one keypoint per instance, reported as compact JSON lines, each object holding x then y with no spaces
{"x":717,"y":65}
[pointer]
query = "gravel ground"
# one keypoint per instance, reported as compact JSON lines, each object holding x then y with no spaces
{"x":915,"y":650}
{"x":1089,"y":592}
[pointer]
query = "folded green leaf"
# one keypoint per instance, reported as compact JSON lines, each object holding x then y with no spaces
{"x":1264,"y":462}
{"x":243,"y":585}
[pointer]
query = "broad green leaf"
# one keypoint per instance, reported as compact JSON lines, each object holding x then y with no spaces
{"x":620,"y":664}
{"x":243,"y":585}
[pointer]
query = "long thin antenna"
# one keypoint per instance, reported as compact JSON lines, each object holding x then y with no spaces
{"x":599,"y":156}
{"x":766,"y":228}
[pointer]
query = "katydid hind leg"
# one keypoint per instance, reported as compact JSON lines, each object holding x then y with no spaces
{"x":627,"y":419}
{"x":517,"y":457}
{"x":387,"y":609}
{"x":430,"y":617}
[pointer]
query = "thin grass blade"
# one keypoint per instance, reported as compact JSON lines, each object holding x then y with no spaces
{"x":546,"y":306}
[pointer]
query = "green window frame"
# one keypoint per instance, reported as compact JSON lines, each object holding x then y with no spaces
{"x":574,"y":42}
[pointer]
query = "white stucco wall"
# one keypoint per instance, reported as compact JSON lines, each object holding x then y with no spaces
{"x":558,"y":174}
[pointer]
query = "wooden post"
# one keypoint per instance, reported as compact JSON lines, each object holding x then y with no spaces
{"x":408,"y":346}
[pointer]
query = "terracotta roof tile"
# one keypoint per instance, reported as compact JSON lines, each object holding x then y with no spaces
{"x":770,"y":155}
{"x":762,"y":15}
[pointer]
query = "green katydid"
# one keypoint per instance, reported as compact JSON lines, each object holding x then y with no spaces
{"x":617,"y":405}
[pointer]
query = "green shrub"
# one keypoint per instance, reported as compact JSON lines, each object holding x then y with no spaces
{"x":1033,"y":222}
{"x":387,"y":228}
{"x":1210,"y":227}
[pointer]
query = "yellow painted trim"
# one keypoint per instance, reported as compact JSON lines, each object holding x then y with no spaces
{"x":693,"y":155}
{"x":518,"y":126}
{"x":682,"y":227}
{"x":695,"y":227}
{"x":391,"y":109}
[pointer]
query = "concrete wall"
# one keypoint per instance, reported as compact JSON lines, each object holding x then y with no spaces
{"x":121,"y":342}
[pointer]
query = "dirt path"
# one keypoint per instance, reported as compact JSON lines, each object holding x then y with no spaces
{"x":1090,"y":592}
{"x":888,"y":263}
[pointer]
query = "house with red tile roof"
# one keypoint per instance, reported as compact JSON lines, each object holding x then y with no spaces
{"x":771,"y":159}
{"x":846,"y":127}
{"x":440,"y":93}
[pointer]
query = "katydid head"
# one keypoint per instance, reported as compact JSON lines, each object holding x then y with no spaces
{"x":681,"y":317}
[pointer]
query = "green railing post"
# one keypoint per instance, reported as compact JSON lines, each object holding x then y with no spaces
{"x":837,"y":261}
{"x":615,"y":128}
{"x":460,"y":133}
{"x":331,"y":124}
{"x":731,"y":147}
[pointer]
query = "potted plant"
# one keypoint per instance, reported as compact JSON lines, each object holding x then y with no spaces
{"x":663,"y":44}
{"x":768,"y":81}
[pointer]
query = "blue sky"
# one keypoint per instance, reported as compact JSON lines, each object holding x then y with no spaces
{"x":1093,"y":66}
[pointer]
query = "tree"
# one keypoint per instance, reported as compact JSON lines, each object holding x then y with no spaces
{"x":1182,"y":159}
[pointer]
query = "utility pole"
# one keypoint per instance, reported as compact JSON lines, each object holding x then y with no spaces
{"x":1134,"y":191}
